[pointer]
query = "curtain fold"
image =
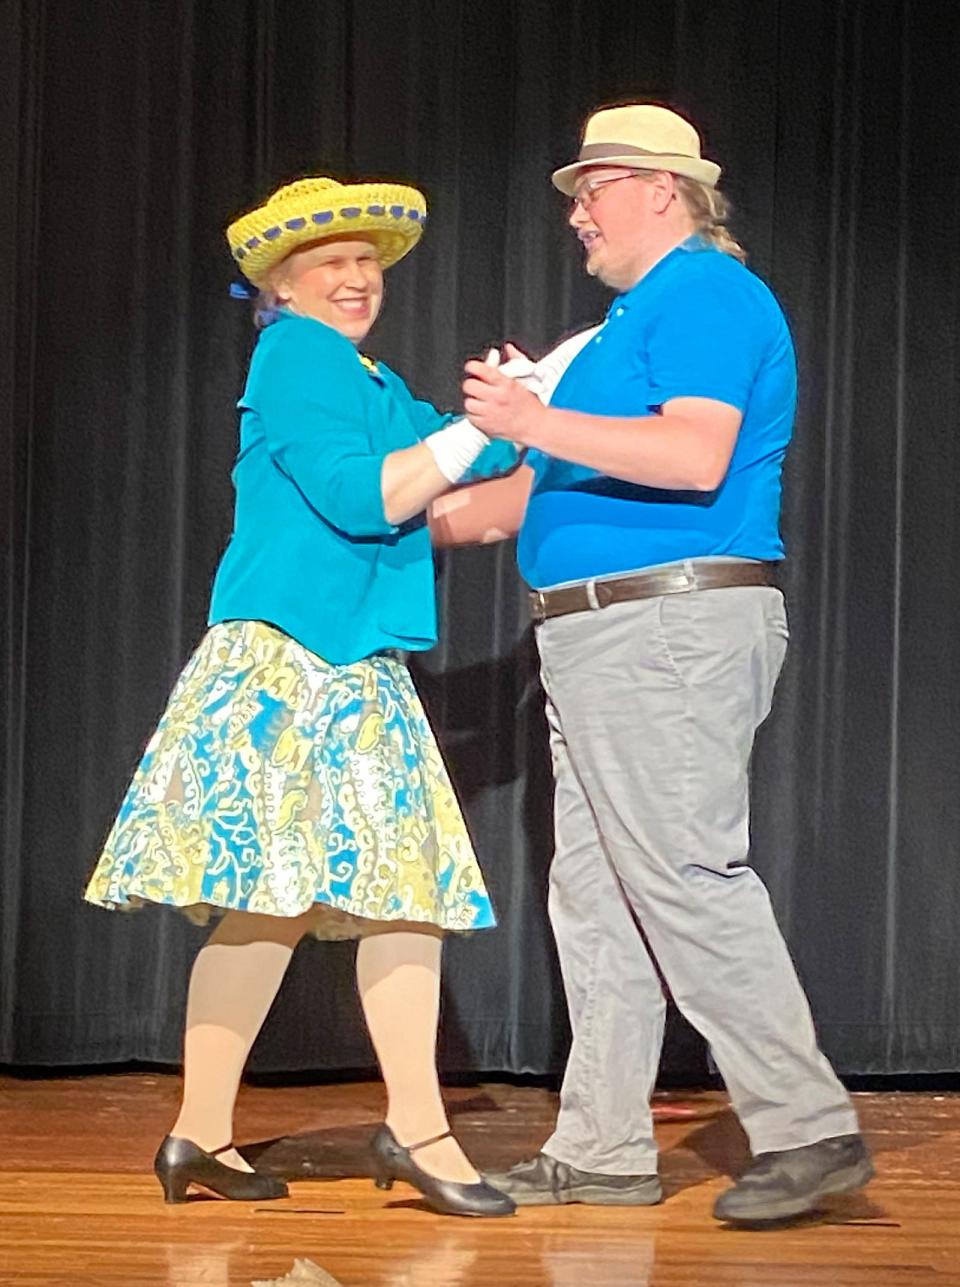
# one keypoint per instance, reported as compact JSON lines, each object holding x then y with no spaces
{"x":130,"y":135}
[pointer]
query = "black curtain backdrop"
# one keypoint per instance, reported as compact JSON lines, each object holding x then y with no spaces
{"x":131,"y":132}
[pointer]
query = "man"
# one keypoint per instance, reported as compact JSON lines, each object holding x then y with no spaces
{"x":648,"y":527}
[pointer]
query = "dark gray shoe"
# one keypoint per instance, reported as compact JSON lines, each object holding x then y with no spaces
{"x":780,"y":1186}
{"x":543,"y":1181}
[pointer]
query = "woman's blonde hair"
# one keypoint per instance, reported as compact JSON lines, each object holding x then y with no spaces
{"x":710,"y":211}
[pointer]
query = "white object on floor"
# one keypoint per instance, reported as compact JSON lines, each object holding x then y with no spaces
{"x":303,"y":1274}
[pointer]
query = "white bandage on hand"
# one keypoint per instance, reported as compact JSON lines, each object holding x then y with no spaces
{"x":458,"y":444}
{"x":456,"y":447}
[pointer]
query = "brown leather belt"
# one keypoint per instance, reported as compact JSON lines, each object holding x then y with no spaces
{"x":679,"y":579}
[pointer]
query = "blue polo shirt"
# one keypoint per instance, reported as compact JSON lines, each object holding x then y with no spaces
{"x":699,"y":324}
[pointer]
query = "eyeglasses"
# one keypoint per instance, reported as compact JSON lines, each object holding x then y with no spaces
{"x":587,"y":195}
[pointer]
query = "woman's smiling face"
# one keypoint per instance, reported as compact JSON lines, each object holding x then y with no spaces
{"x":338,"y":281}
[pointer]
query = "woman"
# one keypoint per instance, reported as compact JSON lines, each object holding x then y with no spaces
{"x":293,"y":783}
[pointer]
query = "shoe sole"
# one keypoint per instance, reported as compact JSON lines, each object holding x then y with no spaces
{"x":590,"y":1195}
{"x":847,"y":1180}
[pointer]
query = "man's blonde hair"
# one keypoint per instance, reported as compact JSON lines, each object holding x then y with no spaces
{"x":710,"y":211}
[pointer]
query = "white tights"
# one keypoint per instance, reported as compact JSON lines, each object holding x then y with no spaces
{"x":235,"y":979}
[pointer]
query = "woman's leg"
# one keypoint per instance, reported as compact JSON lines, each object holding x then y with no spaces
{"x":398,"y":975}
{"x":235,"y":978}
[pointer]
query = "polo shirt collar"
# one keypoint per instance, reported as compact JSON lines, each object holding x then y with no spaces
{"x":692,"y":244}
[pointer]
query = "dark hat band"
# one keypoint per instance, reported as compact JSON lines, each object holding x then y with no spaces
{"x":591,"y":151}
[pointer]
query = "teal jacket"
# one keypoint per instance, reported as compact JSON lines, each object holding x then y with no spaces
{"x":312,"y":551}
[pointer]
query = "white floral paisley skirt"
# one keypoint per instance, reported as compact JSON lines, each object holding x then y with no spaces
{"x":278,"y":783}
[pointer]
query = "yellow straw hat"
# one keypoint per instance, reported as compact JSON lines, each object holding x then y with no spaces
{"x":392,"y":215}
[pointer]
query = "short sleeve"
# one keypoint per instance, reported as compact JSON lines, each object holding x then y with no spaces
{"x":312,"y":397}
{"x":707,"y":340}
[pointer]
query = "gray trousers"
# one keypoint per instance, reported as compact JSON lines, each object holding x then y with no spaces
{"x":653,"y":706}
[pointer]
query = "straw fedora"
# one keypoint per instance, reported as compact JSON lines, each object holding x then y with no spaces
{"x":392,"y":215}
{"x":639,"y":136}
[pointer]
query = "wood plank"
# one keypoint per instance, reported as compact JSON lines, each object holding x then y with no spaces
{"x":79,"y":1206}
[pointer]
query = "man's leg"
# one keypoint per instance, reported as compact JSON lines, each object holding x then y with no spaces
{"x":660,"y":700}
{"x":614,"y":995}
{"x":603,"y":1148}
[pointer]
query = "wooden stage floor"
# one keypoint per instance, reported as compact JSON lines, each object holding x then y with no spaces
{"x":78,"y":1204}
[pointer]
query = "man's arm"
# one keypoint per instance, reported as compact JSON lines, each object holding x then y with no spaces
{"x":481,"y":513}
{"x":701,"y":355}
{"x":686,"y":447}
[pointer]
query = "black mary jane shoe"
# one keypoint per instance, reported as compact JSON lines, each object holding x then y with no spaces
{"x":393,"y":1162}
{"x":180,"y":1164}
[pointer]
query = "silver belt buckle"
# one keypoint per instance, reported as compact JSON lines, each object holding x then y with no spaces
{"x":683,"y":579}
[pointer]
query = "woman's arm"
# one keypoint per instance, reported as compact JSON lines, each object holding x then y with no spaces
{"x":311,"y":393}
{"x":483,"y":512}
{"x":451,"y":451}
{"x":409,"y":481}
